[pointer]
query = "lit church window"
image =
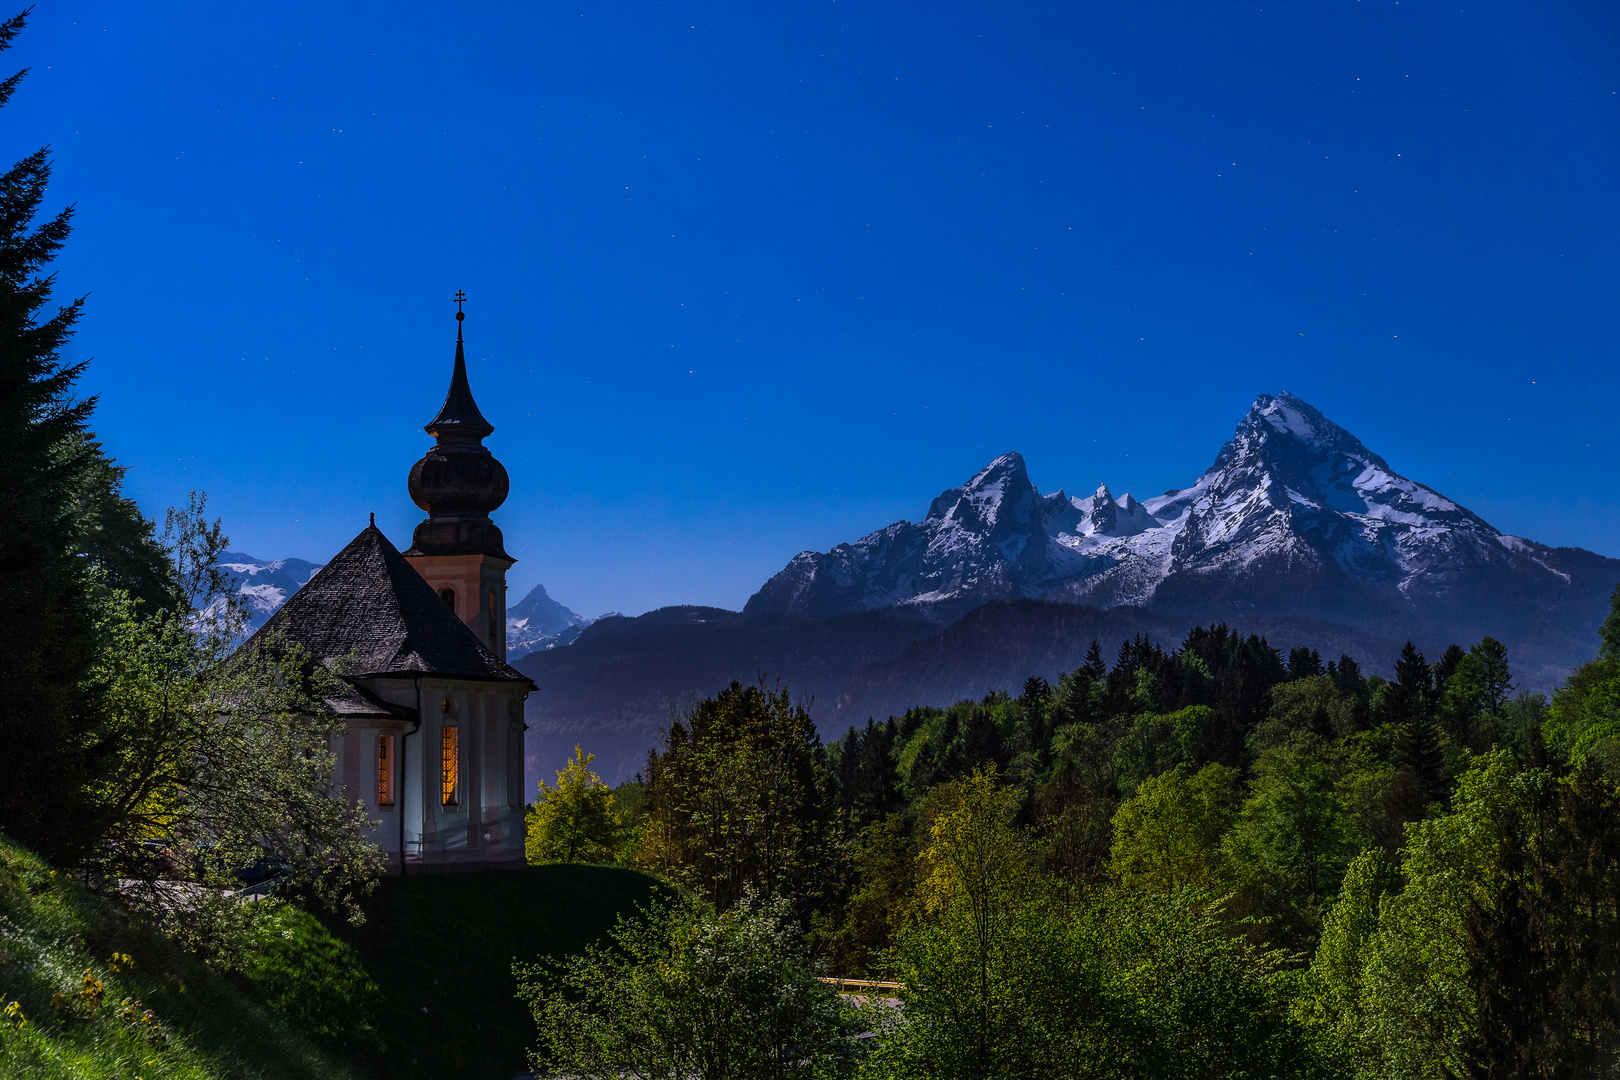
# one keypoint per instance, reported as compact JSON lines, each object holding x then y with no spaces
{"x":450,"y":766}
{"x":385,"y":770}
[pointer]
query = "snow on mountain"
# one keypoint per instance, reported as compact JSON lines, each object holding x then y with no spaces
{"x":538,"y":622}
{"x":1294,"y":516}
{"x":263,"y":584}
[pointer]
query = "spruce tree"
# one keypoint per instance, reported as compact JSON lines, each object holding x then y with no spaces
{"x":46,"y":639}
{"x":1417,"y":743}
{"x":1097,"y":668}
{"x":1347,"y":676}
{"x":65,"y":528}
{"x":1303,"y":663}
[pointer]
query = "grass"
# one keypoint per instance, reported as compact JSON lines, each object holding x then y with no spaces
{"x":89,"y":993}
{"x":440,"y":948}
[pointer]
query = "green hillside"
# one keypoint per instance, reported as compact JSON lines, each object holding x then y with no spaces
{"x":440,"y":948}
{"x":144,"y":1010}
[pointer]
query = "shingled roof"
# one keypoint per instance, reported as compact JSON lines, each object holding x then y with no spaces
{"x":370,"y":602}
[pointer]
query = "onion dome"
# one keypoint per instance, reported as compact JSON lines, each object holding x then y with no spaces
{"x":458,"y":482}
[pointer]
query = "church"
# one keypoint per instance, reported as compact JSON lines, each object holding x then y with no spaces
{"x":432,"y":713}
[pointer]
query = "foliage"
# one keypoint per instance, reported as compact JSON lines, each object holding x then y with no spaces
{"x":885,"y":862}
{"x":223,"y":762}
{"x":313,"y":980}
{"x":575,"y":821}
{"x":740,"y":799}
{"x":1497,"y":956}
{"x":1032,"y":1000}
{"x":688,"y":992}
{"x":1583,"y":718}
{"x":1295,"y":837}
{"x":86,"y":991}
{"x":1168,"y":835}
{"x":1132,"y":986}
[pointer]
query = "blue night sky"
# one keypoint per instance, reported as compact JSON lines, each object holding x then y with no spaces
{"x":747,"y":279}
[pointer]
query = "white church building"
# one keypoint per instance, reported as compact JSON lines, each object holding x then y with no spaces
{"x":432,"y":713}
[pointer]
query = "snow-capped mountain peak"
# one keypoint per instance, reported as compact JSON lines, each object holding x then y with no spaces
{"x":265,"y":584}
{"x":1102,"y":515}
{"x":538,"y":622}
{"x":1291,"y":497}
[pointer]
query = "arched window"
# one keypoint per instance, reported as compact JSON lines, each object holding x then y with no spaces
{"x":450,"y":766}
{"x":494,"y":622}
{"x":385,"y":770}
{"x":449,"y":597}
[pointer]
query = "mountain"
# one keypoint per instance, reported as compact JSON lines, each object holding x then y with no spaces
{"x":538,"y":622}
{"x":264,"y":584}
{"x":614,"y":687}
{"x":998,"y":645}
{"x":1294,"y":518}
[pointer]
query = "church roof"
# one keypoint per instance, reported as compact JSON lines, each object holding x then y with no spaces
{"x":370,"y":602}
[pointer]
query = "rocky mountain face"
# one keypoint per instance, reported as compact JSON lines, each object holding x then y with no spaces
{"x":1295,"y":517}
{"x":265,"y":584}
{"x":537,"y":622}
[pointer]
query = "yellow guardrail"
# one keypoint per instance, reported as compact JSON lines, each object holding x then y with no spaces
{"x":865,"y":987}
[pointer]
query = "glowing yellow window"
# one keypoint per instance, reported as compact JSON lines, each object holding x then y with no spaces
{"x":450,"y":766}
{"x":385,"y":770}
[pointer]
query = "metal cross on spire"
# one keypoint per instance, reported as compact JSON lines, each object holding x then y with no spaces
{"x":461,"y":298}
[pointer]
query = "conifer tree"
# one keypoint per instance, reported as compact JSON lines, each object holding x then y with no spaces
{"x":1417,"y":743}
{"x":1347,"y":676}
{"x":1303,"y":663}
{"x":1097,"y":668}
{"x":68,"y":532}
{"x":63,"y":523}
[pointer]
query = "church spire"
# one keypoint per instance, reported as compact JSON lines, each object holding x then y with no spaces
{"x":459,"y":416}
{"x":458,"y":481}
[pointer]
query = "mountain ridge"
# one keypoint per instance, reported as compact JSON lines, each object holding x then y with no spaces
{"x":1295,"y":516}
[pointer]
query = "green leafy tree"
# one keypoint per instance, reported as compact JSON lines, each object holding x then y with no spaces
{"x":1202,"y":1004}
{"x":1049,"y":1008}
{"x":740,"y":799}
{"x":1295,"y":836}
{"x":1132,"y":986}
{"x":994,"y":985}
{"x":688,"y":993}
{"x":1583,"y":719}
{"x":219,"y":761}
{"x":884,"y":901}
{"x":1472,"y":697}
{"x":574,"y":821}
{"x":1315,"y":704}
{"x":1168,"y":835}
{"x":1495,"y":954}
{"x":975,"y":871}
{"x":1609,"y":632}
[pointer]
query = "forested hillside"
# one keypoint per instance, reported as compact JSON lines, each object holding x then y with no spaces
{"x":1208,"y":860}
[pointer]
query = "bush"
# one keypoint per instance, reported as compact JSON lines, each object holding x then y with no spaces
{"x":688,"y":992}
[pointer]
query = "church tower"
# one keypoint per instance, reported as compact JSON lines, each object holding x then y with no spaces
{"x":458,"y":549}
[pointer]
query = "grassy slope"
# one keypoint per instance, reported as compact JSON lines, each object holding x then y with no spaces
{"x":51,"y":931}
{"x":445,"y":943}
